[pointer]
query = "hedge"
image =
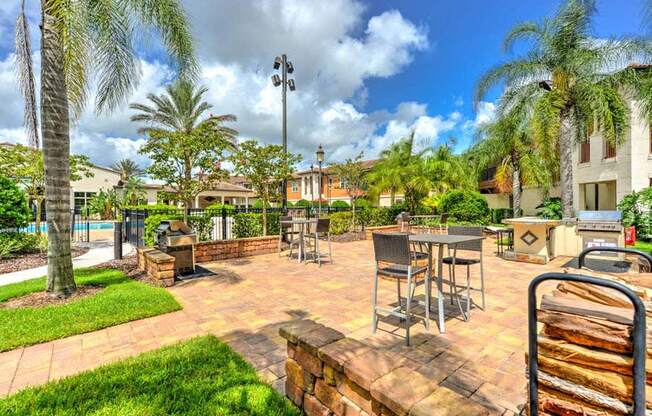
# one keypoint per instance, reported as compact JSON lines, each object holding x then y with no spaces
{"x":14,"y":212}
{"x":247,"y":225}
{"x":466,"y":206}
{"x":202,"y":225}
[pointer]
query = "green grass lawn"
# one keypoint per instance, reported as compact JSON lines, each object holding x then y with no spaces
{"x":121,"y":300}
{"x":643,"y":246}
{"x":201,"y":376}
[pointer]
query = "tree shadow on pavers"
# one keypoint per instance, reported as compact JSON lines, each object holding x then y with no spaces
{"x":216,"y":274}
{"x":471,"y":370}
{"x":263,"y":347}
{"x":603,"y":264}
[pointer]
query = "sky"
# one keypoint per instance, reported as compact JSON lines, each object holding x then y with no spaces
{"x":367,"y":72}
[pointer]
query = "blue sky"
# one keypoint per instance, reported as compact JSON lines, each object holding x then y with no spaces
{"x":367,"y":72}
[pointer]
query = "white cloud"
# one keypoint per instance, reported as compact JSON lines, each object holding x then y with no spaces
{"x":335,"y":50}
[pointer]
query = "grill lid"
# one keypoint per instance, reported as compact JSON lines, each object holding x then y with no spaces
{"x":600,"y":216}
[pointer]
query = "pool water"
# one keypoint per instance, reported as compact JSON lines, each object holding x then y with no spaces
{"x":92,"y":225}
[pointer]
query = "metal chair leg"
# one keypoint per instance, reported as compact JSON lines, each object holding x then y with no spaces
{"x":451,"y":279}
{"x":330,"y":248}
{"x":482,"y":280}
{"x":468,"y":291}
{"x":317,"y":252}
{"x":398,"y":291}
{"x":408,"y":318}
{"x":374,"y":302}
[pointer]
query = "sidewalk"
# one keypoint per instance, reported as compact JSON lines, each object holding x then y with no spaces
{"x":100,"y":251}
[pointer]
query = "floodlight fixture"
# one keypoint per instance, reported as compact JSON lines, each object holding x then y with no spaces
{"x":276,"y":80}
{"x":291,"y":84}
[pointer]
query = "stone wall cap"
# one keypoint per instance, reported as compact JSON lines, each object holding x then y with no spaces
{"x":321,"y":336}
{"x":368,"y":367}
{"x":236,"y":240}
{"x":157,"y":256}
{"x":401,"y":389}
{"x":292,"y":330}
{"x":336,"y":354}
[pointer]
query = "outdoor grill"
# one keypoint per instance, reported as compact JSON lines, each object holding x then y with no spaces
{"x":176,"y":239}
{"x":601,"y":229}
{"x":607,"y":221}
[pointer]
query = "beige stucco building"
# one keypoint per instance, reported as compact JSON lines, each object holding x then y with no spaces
{"x":602,"y":174}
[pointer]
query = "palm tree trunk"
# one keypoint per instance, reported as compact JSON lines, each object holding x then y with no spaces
{"x":516,"y":192}
{"x":566,"y":163}
{"x":56,"y":153}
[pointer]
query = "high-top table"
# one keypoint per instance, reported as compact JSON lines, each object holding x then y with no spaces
{"x":302,"y":223}
{"x":440,"y":240}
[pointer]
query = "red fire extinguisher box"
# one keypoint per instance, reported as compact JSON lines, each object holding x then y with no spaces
{"x":630,"y":236}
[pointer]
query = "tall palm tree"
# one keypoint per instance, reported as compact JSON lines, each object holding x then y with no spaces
{"x":128,"y":169}
{"x":401,"y":169}
{"x":80,"y":41}
{"x":181,"y":109}
{"x":447,"y":170}
{"x":567,"y":80}
{"x":507,"y":144}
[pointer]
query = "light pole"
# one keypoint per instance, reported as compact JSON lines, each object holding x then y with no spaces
{"x":320,"y":160}
{"x":286,"y":68}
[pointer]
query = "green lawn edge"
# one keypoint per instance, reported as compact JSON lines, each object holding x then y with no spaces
{"x":200,"y":376}
{"x":122,"y":300}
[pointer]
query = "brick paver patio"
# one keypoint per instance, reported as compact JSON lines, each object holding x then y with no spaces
{"x":250,"y":298}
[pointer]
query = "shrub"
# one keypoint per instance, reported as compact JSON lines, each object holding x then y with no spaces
{"x":499,"y":214}
{"x":465,"y":205}
{"x":218,"y":207}
{"x":259,"y":204}
{"x":340,"y":204}
{"x":157,"y":208}
{"x":251,"y":224}
{"x":637,"y":211}
{"x":203,"y":226}
{"x":362,"y":203}
{"x":302,"y":203}
{"x":14,"y":212}
{"x":381,"y":216}
{"x":13,"y":244}
{"x":550,"y":208}
{"x":340,"y":222}
{"x":247,"y":225}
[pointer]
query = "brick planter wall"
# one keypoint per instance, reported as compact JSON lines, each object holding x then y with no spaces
{"x":228,"y":249}
{"x":159,"y":266}
{"x":329,"y":374}
{"x":380,"y":229}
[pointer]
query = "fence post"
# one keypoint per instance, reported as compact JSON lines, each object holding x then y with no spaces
{"x":224,"y":223}
{"x":117,"y":240}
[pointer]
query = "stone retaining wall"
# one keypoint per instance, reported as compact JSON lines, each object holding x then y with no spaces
{"x":381,"y":229}
{"x":228,"y":249}
{"x":159,"y":266}
{"x":329,"y":374}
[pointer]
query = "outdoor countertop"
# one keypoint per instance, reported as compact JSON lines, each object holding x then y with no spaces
{"x":532,"y":220}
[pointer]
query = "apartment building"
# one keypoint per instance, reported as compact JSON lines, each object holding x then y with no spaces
{"x":602,"y":173}
{"x":305,"y":184}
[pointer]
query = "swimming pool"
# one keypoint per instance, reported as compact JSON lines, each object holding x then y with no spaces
{"x":79,"y":226}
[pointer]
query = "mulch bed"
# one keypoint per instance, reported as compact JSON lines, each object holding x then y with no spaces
{"x":40,"y":299}
{"x":348,"y":237}
{"x":31,"y":260}
{"x":129,"y":266}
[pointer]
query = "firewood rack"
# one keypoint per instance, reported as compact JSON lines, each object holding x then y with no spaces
{"x":638,"y":330}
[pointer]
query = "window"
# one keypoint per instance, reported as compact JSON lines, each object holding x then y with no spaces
{"x":609,"y":150}
{"x":295,"y":186}
{"x":585,"y":151}
{"x":343,"y":184}
{"x":82,"y":199}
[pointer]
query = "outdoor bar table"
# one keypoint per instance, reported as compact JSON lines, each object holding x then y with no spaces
{"x":440,"y":240}
{"x":302,"y":223}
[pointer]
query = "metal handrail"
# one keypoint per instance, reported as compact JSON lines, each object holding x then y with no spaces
{"x":638,"y":332}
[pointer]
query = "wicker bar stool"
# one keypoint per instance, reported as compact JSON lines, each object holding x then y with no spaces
{"x":316,"y":232}
{"x":395,"y":261}
{"x":288,"y":231}
{"x":454,"y":260}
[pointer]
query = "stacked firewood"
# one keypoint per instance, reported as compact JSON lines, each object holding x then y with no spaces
{"x":585,"y":348}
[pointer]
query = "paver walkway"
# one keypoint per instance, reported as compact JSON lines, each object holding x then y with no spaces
{"x":251,"y":298}
{"x":99,"y":252}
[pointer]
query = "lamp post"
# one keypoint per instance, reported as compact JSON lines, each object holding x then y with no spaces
{"x":286,"y":68}
{"x":320,"y":160}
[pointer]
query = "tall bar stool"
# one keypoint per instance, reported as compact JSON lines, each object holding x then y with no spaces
{"x":287,"y":230}
{"x":454,"y":260}
{"x":317,"y":231}
{"x":395,"y":261}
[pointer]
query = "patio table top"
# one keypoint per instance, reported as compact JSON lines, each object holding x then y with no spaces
{"x":443,"y":238}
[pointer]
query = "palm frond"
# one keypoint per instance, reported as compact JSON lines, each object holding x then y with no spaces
{"x":525,"y":30}
{"x":25,"y":75}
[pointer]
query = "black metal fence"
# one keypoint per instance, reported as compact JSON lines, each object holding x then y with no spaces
{"x":210,"y":224}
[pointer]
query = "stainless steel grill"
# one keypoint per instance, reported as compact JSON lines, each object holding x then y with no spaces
{"x":176,"y":239}
{"x":605,"y":221}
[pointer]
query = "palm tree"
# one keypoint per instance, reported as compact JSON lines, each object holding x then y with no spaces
{"x":80,"y":41}
{"x":181,"y":109}
{"x":128,"y":169}
{"x":507,"y":145}
{"x":567,"y":80}
{"x":447,"y":170}
{"x":401,"y":168}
